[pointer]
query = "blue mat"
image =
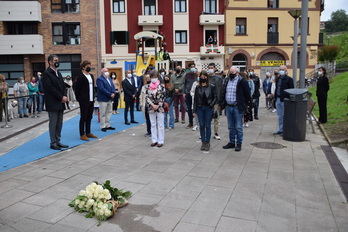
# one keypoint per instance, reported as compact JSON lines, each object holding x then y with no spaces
{"x":39,"y":147}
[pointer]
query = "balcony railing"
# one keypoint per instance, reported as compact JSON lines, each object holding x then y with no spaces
{"x":20,"y":11}
{"x":150,"y":20}
{"x":212,"y":19}
{"x":272,"y":37}
{"x":212,"y":50}
{"x":21,"y":44}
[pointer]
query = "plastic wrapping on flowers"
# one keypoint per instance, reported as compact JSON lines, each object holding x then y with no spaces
{"x":100,"y":201}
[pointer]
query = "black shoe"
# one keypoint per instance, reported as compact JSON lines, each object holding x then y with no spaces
{"x":278,"y":133}
{"x":62,"y":145}
{"x":20,"y":116}
{"x":257,"y":118}
{"x":176,"y":120}
{"x":25,"y":116}
{"x":238,"y":147}
{"x":127,"y":123}
{"x":134,"y":121}
{"x":110,"y":128}
{"x":104,"y":129}
{"x":229,"y":146}
{"x":55,"y":147}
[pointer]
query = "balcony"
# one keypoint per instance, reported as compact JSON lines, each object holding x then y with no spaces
{"x":21,"y":44}
{"x":20,"y":11}
{"x":272,"y":37}
{"x":150,"y":20}
{"x":212,"y":19}
{"x":212,"y":50}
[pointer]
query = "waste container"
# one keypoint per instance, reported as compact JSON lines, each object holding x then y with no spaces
{"x":295,"y":115}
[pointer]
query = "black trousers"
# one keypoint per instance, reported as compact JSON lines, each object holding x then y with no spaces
{"x":137,"y":101}
{"x":322,"y":108}
{"x":148,"y":122}
{"x":86,"y":115}
{"x":130,"y":107}
{"x":115,"y":103}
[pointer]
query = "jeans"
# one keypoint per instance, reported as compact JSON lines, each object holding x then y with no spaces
{"x":171,"y":115}
{"x":157,"y":127}
{"x":189,"y":108}
{"x":22,"y":105}
{"x":234,"y":120}
{"x":280,"y":113}
{"x":256,"y":107}
{"x":181,"y":99}
{"x":205,"y":115}
{"x":33,"y":100}
{"x":40,"y":104}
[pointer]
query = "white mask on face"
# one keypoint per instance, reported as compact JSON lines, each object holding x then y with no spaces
{"x":106,"y":74}
{"x":320,"y":73}
{"x":211,"y":71}
{"x":162,"y":73}
{"x":129,"y":75}
{"x":134,"y":74}
{"x":113,"y":76}
{"x":154,"y":80}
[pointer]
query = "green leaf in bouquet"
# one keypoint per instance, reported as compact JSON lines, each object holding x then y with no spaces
{"x":90,"y":214}
{"x":109,"y":206}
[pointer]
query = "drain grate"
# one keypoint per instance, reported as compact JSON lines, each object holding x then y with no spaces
{"x":268,"y":145}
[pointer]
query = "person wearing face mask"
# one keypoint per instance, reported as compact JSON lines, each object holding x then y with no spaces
{"x":21,"y":92}
{"x":235,"y":94}
{"x":178,"y":82}
{"x":322,"y":89}
{"x":144,"y":106}
{"x":138,"y":81}
{"x":84,"y":91}
{"x":190,"y":78}
{"x":55,"y":99}
{"x":33,"y":90}
{"x":266,"y":86}
{"x":155,"y":98}
{"x":41,"y":94}
{"x":215,"y":80}
{"x":282,"y":82}
{"x":205,"y":99}
{"x":117,"y":95}
{"x":105,"y":94}
{"x":70,"y":92}
{"x":170,"y":101}
{"x":162,"y":72}
{"x":3,"y":95}
{"x":256,"y":95}
{"x":130,"y":91}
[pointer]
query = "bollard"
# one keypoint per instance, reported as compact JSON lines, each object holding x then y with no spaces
{"x":6,"y":115}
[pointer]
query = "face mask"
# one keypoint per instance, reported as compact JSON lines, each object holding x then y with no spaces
{"x":88,"y":69}
{"x":320,"y":73}
{"x":33,"y":81}
{"x":166,"y":81}
{"x":203,"y":80}
{"x":154,"y":80}
{"x":281,"y":72}
{"x":178,"y":71}
{"x":22,"y":81}
{"x":134,"y":74}
{"x":232,"y":76}
{"x":197,"y":78}
{"x":251,"y":73}
{"x":129,"y":75}
{"x":148,"y":82}
{"x":162,"y":73}
{"x":113,"y":76}
{"x":106,"y":74}
{"x":192,"y":69}
{"x":210,"y":71}
{"x":56,"y":64}
{"x":276,"y":74}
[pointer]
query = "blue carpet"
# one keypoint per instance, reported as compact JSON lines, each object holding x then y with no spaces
{"x":39,"y":147}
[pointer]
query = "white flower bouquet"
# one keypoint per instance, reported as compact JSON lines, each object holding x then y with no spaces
{"x":100,"y":201}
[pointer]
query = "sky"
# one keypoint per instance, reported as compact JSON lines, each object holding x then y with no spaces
{"x":333,"y":5}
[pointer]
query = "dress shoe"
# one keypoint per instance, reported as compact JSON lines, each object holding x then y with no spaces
{"x":176,"y":120}
{"x":90,"y":135}
{"x":278,"y":133}
{"x":104,"y":129}
{"x":26,"y":116}
{"x":84,"y":138}
{"x":229,"y":146}
{"x":55,"y":147}
{"x":257,"y":118}
{"x":62,"y":145}
{"x":203,"y":146}
{"x":160,"y":145}
{"x":153,"y":144}
{"x":127,"y":123}
{"x":189,"y":126}
{"x":134,"y":121}
{"x":238,"y":147}
{"x":110,"y":128}
{"x":207,"y":146}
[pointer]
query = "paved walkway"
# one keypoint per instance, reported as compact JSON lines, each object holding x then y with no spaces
{"x":178,"y":187}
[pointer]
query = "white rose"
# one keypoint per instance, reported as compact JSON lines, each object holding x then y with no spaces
{"x":100,"y":204}
{"x":107,"y":197}
{"x":82,"y":193}
{"x":77,"y":201}
{"x":93,"y":184}
{"x":89,"y":195}
{"x":108,"y":213}
{"x":90,"y":202}
{"x":106,"y":192}
{"x":81,"y":204}
{"x":99,"y":189}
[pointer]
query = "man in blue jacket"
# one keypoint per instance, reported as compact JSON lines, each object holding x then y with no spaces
{"x":106,"y":92}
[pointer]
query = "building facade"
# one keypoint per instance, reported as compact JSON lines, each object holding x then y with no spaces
{"x":259,"y":34}
{"x":32,"y":30}
{"x":185,"y":26}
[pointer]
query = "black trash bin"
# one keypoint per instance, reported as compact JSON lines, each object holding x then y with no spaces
{"x":295,"y":115}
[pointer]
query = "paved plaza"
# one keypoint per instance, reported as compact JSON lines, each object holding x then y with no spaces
{"x":177,"y":187}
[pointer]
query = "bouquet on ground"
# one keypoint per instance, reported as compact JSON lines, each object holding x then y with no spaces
{"x":100,"y":201}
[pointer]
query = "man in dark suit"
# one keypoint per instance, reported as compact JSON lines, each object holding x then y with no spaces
{"x":138,"y":80}
{"x":129,"y":90}
{"x":84,"y":92}
{"x":55,"y":99}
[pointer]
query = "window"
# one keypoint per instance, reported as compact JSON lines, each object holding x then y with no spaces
{"x":69,"y":64}
{"x":273,"y":3}
{"x":119,"y":6}
{"x":210,"y":6}
{"x":181,"y":37}
{"x":65,"y":6}
{"x":66,"y":33}
{"x":19,"y":28}
{"x":119,"y":37}
{"x":12,"y":67}
{"x":180,"y":6}
{"x":272,"y":24}
{"x":149,"y":7}
{"x":240,"y":26}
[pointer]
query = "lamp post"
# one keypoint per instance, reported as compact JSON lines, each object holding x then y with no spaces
{"x":303,"y":49}
{"x":295,"y":14}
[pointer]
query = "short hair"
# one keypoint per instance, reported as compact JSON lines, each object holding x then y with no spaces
{"x":211,"y":64}
{"x":51,"y":57}
{"x":85,"y":63}
{"x":154,"y":73}
{"x":190,"y":64}
{"x":127,"y":71}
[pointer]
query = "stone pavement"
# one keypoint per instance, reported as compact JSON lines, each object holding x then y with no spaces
{"x":180,"y":188}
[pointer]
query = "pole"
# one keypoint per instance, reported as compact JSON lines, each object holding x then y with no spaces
{"x":6,"y":113}
{"x":303,"y":45}
{"x":294,"y":65}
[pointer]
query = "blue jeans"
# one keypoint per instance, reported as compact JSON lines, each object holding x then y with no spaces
{"x":22,"y":105}
{"x":280,"y":113}
{"x":234,"y":120}
{"x":33,"y":101}
{"x":171,"y":114}
{"x":189,"y":107}
{"x":256,"y":107}
{"x":41,"y":102}
{"x":205,"y":115}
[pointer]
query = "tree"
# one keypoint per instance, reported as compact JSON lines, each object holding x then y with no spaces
{"x":327,"y":55}
{"x":338,"y":21}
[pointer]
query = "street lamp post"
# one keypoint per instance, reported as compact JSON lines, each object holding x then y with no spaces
{"x":295,"y":14}
{"x":303,"y":49}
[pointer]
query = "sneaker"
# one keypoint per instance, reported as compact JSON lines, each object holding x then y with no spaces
{"x":207,"y":146}
{"x":229,"y":146}
{"x":246,"y":125}
{"x":176,"y":120}
{"x":275,"y":110}
{"x":183,"y":122}
{"x":203,"y":146}
{"x":147,"y":135}
{"x":216,"y":136}
{"x":238,"y":147}
{"x":278,"y":133}
{"x":195,"y":128}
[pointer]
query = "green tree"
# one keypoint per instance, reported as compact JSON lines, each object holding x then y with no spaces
{"x":338,"y":21}
{"x":328,"y":55}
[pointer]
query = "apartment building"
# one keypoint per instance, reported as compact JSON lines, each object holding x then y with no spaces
{"x":32,"y":30}
{"x":185,"y":26}
{"x":259,"y":34}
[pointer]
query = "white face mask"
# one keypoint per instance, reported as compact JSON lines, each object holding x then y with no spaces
{"x":320,"y":73}
{"x":113,"y":76}
{"x":129,"y":75}
{"x":134,"y":74}
{"x":106,"y":74}
{"x":193,"y":70}
{"x":154,"y":80}
{"x":162,"y":73}
{"x":211,"y":71}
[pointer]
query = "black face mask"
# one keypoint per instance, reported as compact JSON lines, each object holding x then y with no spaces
{"x":178,"y":71}
{"x":56,"y":64}
{"x":203,"y":80}
{"x":166,"y":81}
{"x":88,"y":69}
{"x":232,"y":76}
{"x":148,"y":82}
{"x":276,"y":74}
